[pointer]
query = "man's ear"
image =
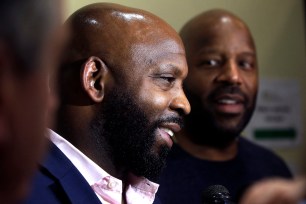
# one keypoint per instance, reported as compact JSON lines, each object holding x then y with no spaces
{"x":93,"y":78}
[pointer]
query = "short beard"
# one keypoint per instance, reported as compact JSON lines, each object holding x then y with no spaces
{"x":203,"y":131}
{"x":203,"y":128}
{"x":124,"y":132}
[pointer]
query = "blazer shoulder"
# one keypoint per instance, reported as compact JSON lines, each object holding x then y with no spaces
{"x":59,"y":181}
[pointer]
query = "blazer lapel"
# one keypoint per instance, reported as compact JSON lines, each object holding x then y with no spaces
{"x":71,"y":180}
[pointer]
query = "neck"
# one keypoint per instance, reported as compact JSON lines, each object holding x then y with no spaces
{"x":74,"y":125}
{"x":206,"y":152}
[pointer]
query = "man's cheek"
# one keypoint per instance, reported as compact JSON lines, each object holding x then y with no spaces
{"x":159,"y":101}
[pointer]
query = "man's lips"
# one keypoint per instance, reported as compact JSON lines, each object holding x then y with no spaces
{"x":229,"y":103}
{"x":167,"y":131}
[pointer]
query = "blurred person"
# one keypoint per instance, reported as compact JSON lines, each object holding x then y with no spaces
{"x":276,"y":190}
{"x":28,"y":50}
{"x":121,"y":101}
{"x":221,"y":87}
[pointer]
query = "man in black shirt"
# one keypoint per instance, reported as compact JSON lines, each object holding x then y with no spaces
{"x":221,"y":87}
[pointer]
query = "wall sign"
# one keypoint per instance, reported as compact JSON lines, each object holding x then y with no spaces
{"x":276,"y":121}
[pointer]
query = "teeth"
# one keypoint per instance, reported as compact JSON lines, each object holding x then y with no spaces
{"x":227,"y":101}
{"x":170,"y":132}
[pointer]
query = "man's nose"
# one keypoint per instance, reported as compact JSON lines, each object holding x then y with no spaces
{"x":230,"y":73}
{"x":180,"y":103}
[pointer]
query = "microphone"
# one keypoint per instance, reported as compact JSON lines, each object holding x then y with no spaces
{"x":216,"y":194}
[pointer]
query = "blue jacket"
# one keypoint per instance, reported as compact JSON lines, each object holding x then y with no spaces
{"x":59,"y":181}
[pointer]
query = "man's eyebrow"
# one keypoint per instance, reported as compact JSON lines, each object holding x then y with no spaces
{"x":171,"y":67}
{"x":208,"y":51}
{"x":249,"y":53}
{"x":216,"y":51}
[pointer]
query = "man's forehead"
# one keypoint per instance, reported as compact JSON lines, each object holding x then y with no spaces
{"x":144,"y":46}
{"x":228,"y":33}
{"x":157,"y":51}
{"x":166,"y":45}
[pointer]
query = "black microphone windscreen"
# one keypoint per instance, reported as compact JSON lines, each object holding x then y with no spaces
{"x":216,"y":194}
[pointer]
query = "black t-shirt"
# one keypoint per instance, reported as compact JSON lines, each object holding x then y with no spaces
{"x":185,"y":176}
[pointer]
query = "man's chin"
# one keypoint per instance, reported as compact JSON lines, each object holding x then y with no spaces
{"x":218,"y":138}
{"x":153,"y":163}
{"x":228,"y":121}
{"x":163,"y":140}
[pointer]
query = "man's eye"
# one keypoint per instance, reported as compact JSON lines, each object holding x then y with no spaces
{"x":245,"y":64}
{"x":168,"y":79}
{"x":164,"y":81}
{"x":210,"y":63}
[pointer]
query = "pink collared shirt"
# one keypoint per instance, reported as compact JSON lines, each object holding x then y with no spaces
{"x":139,"y":190}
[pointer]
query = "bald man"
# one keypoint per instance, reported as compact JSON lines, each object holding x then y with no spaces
{"x":121,"y":102}
{"x":222,"y":87}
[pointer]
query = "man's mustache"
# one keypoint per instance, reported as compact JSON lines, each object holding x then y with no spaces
{"x":222,"y":90}
{"x":171,"y":119}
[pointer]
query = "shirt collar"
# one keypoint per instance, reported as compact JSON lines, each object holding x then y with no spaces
{"x":139,"y":189}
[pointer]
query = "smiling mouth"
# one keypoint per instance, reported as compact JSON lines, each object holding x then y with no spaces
{"x":229,"y":104}
{"x":227,"y":101}
{"x":167,"y":131}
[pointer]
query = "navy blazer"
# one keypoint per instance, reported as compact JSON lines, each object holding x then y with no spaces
{"x":59,"y":181}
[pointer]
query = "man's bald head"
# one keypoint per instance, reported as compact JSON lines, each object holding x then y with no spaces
{"x":204,"y":26}
{"x":110,"y":31}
